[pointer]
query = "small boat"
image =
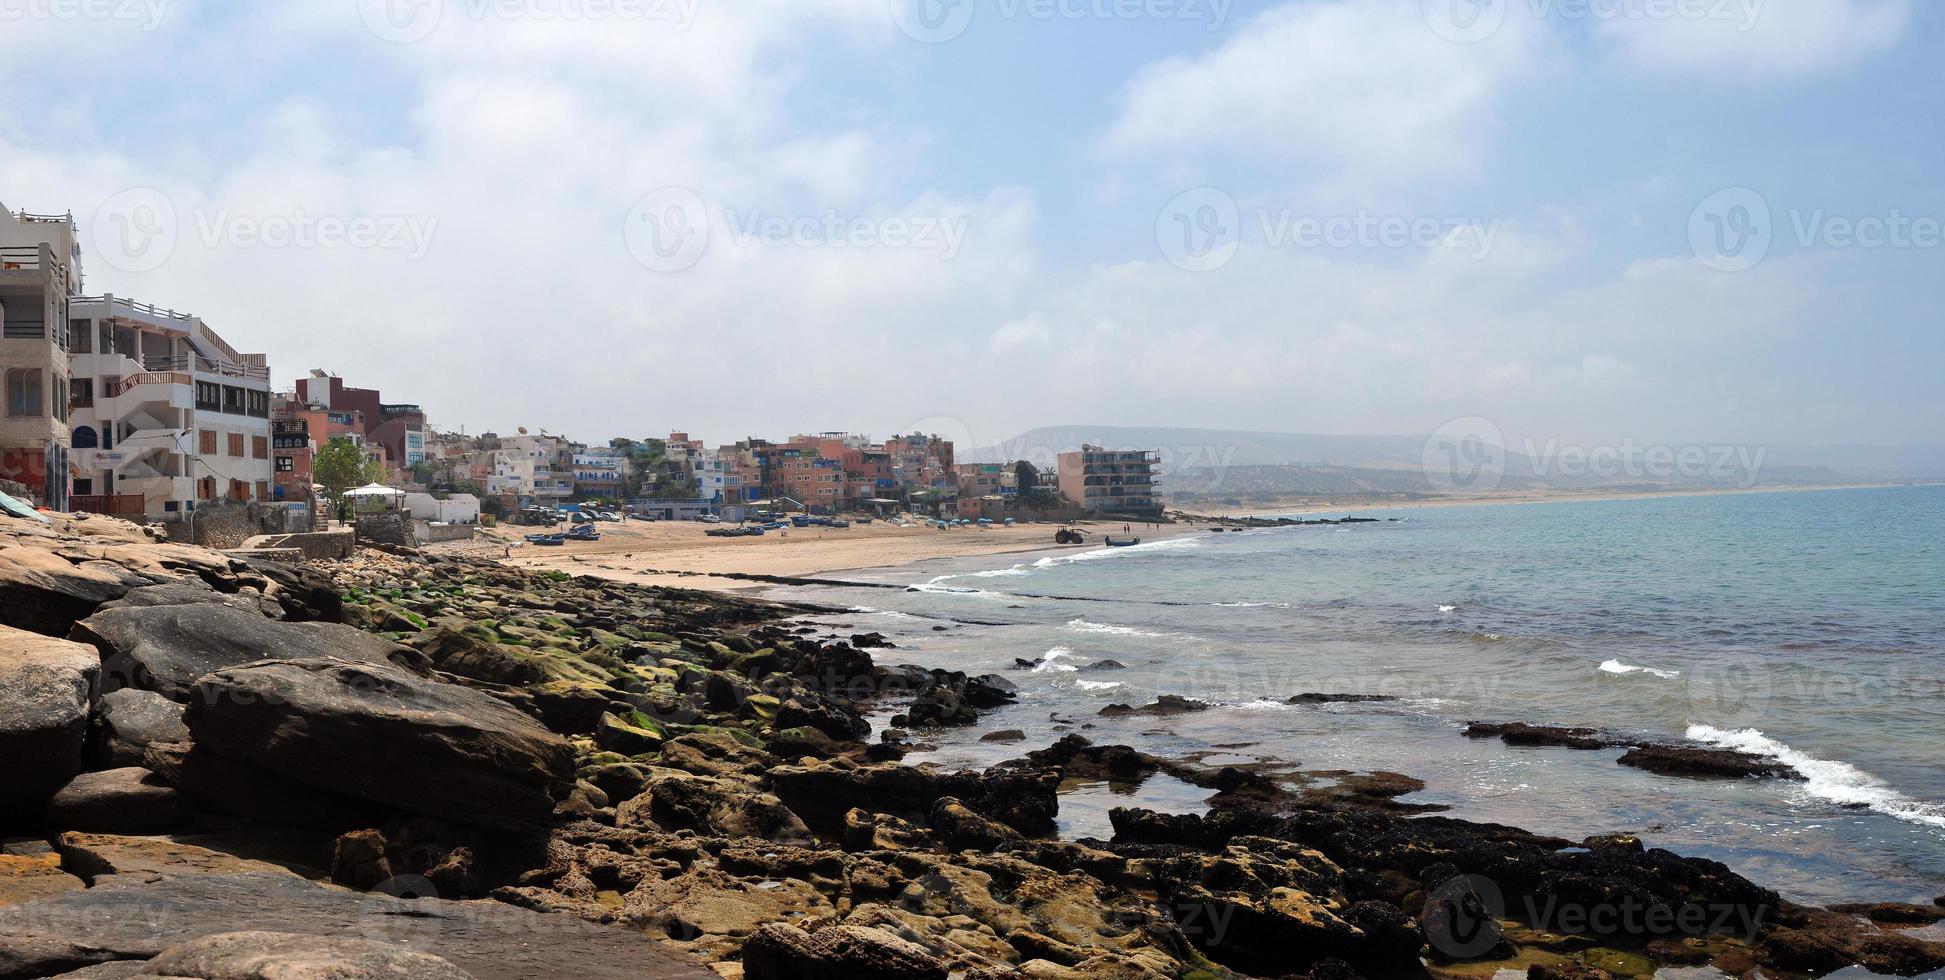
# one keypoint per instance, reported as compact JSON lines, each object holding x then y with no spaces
{"x":549,"y":540}
{"x":840,"y":525}
{"x":800,"y":520}
{"x":1114,"y":542}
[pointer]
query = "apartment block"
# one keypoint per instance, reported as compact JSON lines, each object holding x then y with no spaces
{"x":166,"y":412}
{"x":40,"y":271}
{"x":1111,"y":481}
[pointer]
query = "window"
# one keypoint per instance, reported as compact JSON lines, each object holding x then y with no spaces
{"x":24,"y":392}
{"x":84,"y":392}
{"x":286,"y":464}
{"x":206,"y":444}
{"x":81,"y":336}
{"x":209,"y":396}
{"x":263,"y":490}
{"x":259,"y":404}
{"x":236,"y":444}
{"x":259,"y":447}
{"x":233,"y":403}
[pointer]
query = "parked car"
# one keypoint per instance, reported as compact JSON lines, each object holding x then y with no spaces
{"x":710,"y":519}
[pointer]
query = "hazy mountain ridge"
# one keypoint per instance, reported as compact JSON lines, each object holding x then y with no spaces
{"x":1232,"y":462}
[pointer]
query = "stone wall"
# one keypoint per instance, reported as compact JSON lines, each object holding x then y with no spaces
{"x":390,"y":527}
{"x":428,"y":532}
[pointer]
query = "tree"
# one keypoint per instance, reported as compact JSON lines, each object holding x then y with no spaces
{"x":1025,"y":477}
{"x":341,"y":466}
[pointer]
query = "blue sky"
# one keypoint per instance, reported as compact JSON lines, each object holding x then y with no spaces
{"x":974,"y":233}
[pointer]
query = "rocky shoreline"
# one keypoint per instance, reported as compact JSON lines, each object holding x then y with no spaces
{"x":405,"y":765}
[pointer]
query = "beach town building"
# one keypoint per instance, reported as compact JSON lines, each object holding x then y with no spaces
{"x":598,"y":471}
{"x":870,"y":480}
{"x":1111,"y":481}
{"x":802,"y":474}
{"x":921,"y":461}
{"x":395,"y":430}
{"x":166,"y":413}
{"x":40,"y":270}
{"x":292,"y":450}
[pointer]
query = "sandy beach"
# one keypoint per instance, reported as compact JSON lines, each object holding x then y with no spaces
{"x":678,"y":554}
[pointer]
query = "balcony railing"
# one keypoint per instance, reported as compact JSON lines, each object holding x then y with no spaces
{"x":120,"y":386}
{"x":186,"y":362}
{"x":121,"y":504}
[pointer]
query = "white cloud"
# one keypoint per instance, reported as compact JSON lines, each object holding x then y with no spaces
{"x":1361,"y":85}
{"x":1762,"y":39}
{"x":1015,"y":335}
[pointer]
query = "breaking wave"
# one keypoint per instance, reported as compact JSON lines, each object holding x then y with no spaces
{"x":1826,"y":779}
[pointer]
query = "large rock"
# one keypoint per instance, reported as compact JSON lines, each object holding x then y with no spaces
{"x":43,"y":592}
{"x":94,"y":856}
{"x":293,"y":956}
{"x":130,"y":800}
{"x":133,"y":917}
{"x":30,"y":878}
{"x":128,"y":721}
{"x":782,"y":952}
{"x":47,"y":689}
{"x":195,"y":591}
{"x":257,"y":794}
{"x":166,"y":648}
{"x":381,"y":734}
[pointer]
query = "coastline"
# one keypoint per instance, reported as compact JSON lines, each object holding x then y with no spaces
{"x":679,"y":555}
{"x":1314,"y":506}
{"x":685,"y":784}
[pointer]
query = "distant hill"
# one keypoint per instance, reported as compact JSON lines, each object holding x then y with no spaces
{"x":1224,"y":463}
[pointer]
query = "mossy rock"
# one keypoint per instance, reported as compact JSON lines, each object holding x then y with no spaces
{"x":632,"y":733}
{"x":1619,"y":962}
{"x":762,"y":706}
{"x":736,"y":733}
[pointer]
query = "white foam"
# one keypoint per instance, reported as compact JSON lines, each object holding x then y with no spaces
{"x":1826,"y":779}
{"x":1109,"y":629}
{"x":1617,"y":667}
{"x":1149,"y":547}
{"x":1050,"y":661}
{"x":1096,"y":685}
{"x":1251,"y":605}
{"x":1448,"y":608}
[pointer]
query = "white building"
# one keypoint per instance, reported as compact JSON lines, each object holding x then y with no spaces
{"x":165,"y":410}
{"x":40,"y":271}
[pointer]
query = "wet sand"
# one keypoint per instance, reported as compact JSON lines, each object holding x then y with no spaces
{"x":680,"y":555}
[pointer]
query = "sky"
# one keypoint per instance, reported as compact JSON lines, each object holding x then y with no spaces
{"x":1603,"y":221}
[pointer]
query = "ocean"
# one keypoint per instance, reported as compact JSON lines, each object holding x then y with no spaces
{"x":1805,"y":626}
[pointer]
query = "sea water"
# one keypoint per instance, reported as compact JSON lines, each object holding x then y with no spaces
{"x":1808,"y":627}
